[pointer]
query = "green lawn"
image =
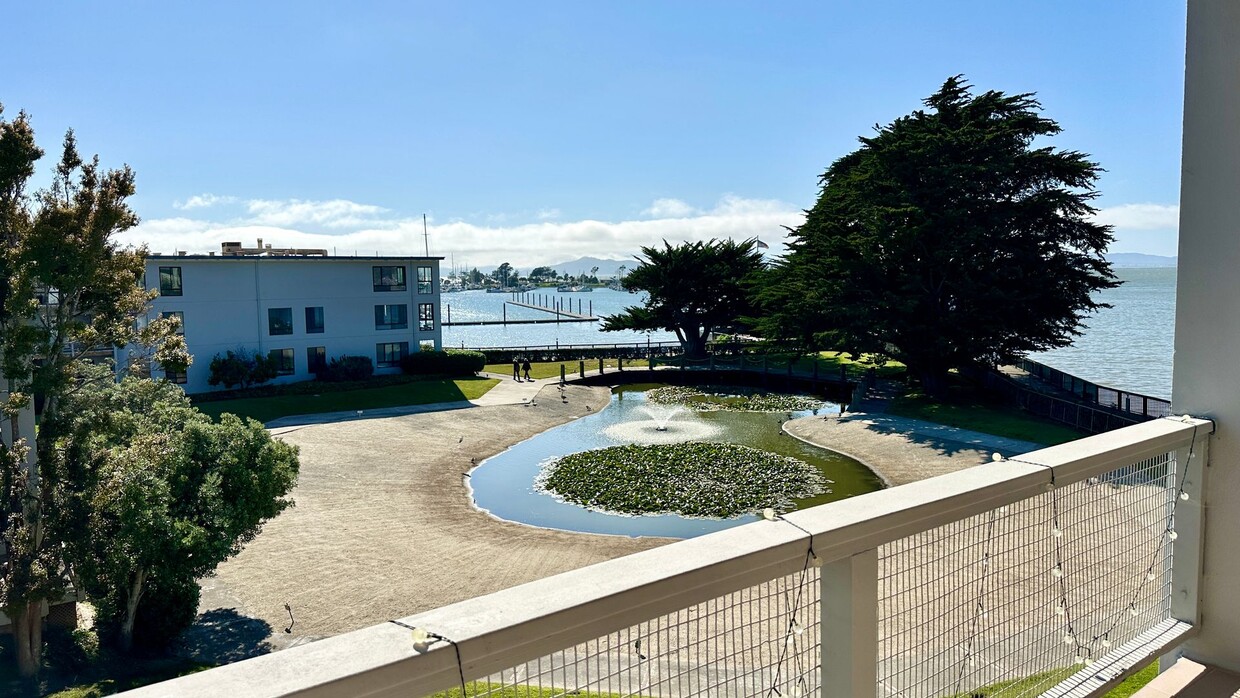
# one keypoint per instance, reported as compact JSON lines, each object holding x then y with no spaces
{"x":551,"y":369}
{"x":265,"y":409}
{"x":1038,"y":683}
{"x":967,"y":412}
{"x":494,"y":691}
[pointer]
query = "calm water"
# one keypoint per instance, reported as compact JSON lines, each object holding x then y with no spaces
{"x":480,"y":305}
{"x":1128,"y":346}
{"x":504,"y":485}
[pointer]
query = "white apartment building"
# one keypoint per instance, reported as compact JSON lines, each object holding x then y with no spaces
{"x":301,"y":306}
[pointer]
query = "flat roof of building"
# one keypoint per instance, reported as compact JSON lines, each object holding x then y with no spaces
{"x":299,"y":258}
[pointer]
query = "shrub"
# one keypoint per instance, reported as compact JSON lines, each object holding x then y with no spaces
{"x":347,"y":368}
{"x":454,"y":362}
{"x":241,"y":367}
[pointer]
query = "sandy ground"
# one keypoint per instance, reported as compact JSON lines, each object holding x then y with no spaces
{"x":383,"y":525}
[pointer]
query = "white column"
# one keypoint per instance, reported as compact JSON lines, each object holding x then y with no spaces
{"x":849,"y":599}
{"x":1207,"y":343}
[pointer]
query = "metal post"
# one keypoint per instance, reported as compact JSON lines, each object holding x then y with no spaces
{"x":563,"y":376}
{"x":849,"y":598}
{"x":600,"y":365}
{"x":581,"y":366}
{"x":505,"y":313}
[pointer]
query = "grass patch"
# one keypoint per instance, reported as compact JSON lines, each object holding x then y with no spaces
{"x":551,"y":369}
{"x":1039,"y":683}
{"x":965,"y":411}
{"x":475,"y":688}
{"x":718,"y":480}
{"x":829,"y":362}
{"x":420,"y":392}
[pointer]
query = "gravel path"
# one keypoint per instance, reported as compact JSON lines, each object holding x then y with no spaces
{"x":383,"y":525}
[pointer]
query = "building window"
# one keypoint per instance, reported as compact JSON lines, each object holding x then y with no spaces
{"x":279,"y":321}
{"x":426,"y":317}
{"x":170,"y":281}
{"x":284,"y":361}
{"x":389,"y":278}
{"x":391,"y":317}
{"x":390,"y":353}
{"x":426,"y":283}
{"x":180,"y":316}
{"x":178,"y":377}
{"x":314,"y":320}
{"x":316,"y":359}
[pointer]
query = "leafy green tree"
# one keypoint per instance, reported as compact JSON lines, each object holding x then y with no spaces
{"x":66,"y":289}
{"x":952,"y":237}
{"x":693,"y":290}
{"x":540,"y":273}
{"x":242,"y":368}
{"x":160,"y":494}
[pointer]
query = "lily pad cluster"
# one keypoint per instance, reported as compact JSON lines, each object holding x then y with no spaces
{"x":712,"y":399}
{"x":696,"y":479}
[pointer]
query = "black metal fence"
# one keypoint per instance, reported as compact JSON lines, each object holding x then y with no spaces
{"x":1120,"y":400}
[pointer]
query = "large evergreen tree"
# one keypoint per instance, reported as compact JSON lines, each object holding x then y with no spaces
{"x":693,"y":289}
{"x":952,"y":237}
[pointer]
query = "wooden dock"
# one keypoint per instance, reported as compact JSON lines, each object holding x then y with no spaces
{"x":540,"y":321}
{"x":560,"y":316}
{"x":582,"y":317}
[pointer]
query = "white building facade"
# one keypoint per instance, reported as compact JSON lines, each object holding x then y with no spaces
{"x":304,"y":310}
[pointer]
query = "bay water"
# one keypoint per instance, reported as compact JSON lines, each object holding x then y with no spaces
{"x":1127,"y":346}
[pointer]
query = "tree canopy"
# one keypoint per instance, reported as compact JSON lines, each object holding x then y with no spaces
{"x":154,"y":493}
{"x":950,"y":238}
{"x":694,"y":288}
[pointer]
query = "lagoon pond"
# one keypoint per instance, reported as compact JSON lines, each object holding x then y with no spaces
{"x":504,"y":484}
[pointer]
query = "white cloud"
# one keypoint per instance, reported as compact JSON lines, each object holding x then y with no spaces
{"x":203,"y":201}
{"x":1140,"y":216}
{"x":481,"y":245}
{"x":548,"y":214}
{"x":336,"y":213}
{"x":669,"y":208}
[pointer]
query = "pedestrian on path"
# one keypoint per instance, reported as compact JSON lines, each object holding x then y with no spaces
{"x":516,"y":369}
{"x":526,"y":367}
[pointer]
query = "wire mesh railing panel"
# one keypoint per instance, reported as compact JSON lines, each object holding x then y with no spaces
{"x":1011,"y":602}
{"x":756,"y":642}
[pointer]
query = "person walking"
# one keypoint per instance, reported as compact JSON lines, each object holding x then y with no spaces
{"x":525,"y":366}
{"x":516,"y":369}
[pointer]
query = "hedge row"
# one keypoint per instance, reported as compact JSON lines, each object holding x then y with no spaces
{"x":453,"y":362}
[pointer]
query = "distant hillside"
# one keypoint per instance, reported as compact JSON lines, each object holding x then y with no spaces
{"x":1136,"y":259}
{"x":606,"y":267}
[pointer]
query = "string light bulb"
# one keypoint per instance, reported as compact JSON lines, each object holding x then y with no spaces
{"x":1172,"y":535}
{"x":1105,"y":643}
{"x":1057,"y":532}
{"x":1057,"y":571}
{"x":1184,"y":496}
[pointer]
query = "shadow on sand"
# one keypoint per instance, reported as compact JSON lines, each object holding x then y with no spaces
{"x":222,"y":635}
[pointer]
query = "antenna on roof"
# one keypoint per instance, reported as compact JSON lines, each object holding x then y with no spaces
{"x":426,"y":236}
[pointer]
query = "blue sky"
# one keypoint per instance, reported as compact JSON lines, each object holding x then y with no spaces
{"x":539,"y":132}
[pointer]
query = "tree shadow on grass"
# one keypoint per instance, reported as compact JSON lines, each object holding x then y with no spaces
{"x":223,"y":636}
{"x":945,"y":440}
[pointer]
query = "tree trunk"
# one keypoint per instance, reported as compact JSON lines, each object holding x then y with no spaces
{"x":934,"y":382}
{"x":131,"y":609}
{"x":28,"y":637}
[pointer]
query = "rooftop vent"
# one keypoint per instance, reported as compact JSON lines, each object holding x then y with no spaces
{"x":234,"y":249}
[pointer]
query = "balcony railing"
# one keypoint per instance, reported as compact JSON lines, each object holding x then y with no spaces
{"x":1057,"y":573}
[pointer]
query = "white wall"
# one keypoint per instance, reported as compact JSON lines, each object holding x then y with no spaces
{"x":1206,"y":377}
{"x":225,"y":302}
